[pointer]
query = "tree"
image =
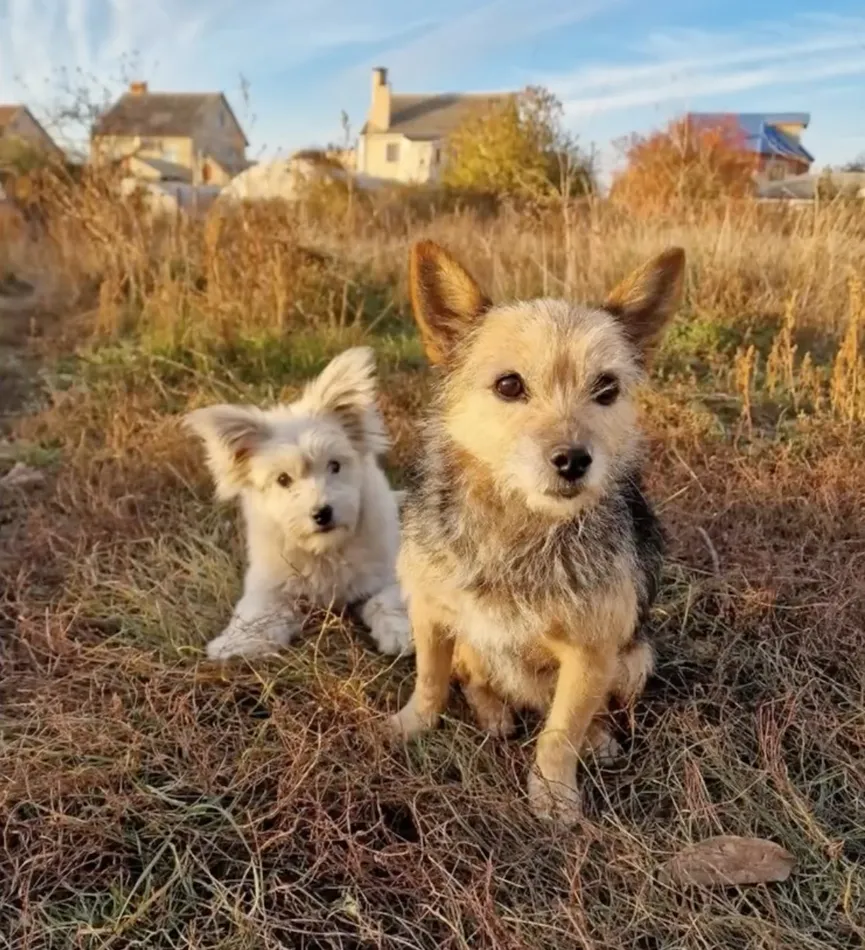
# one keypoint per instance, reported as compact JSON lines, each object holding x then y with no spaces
{"x":857,"y":165}
{"x":517,"y":148}
{"x":683,"y":164}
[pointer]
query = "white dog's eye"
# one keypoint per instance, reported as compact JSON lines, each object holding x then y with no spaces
{"x":333,"y":467}
{"x":283,"y":480}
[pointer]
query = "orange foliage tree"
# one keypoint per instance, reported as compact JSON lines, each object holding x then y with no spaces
{"x":686,"y":163}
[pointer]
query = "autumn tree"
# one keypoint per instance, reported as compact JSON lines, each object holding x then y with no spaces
{"x":685,"y":163}
{"x":517,"y":147}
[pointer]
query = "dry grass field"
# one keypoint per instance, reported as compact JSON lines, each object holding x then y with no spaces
{"x":150,"y":799}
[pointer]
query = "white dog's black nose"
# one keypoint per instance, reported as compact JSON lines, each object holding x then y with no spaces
{"x":571,"y":463}
{"x":323,"y":516}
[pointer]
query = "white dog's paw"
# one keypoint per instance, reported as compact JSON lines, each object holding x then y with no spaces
{"x":388,"y":623}
{"x":391,"y":631}
{"x":249,"y":640}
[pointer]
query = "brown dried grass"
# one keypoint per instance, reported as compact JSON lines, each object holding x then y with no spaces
{"x":151,"y":800}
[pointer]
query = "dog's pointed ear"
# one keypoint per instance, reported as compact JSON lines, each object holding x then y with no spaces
{"x":445,"y":299}
{"x":347,"y":388}
{"x":645,"y":301}
{"x":230,"y":435}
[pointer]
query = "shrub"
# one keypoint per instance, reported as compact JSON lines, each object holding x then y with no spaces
{"x":682,"y":165}
{"x":519,"y":149}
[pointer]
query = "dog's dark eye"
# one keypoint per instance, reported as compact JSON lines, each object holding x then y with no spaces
{"x":333,"y":467}
{"x":510,"y":386}
{"x":283,"y":480}
{"x":606,"y":389}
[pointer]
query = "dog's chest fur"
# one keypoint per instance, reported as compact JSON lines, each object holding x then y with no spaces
{"x":336,"y":578}
{"x":506,"y":580}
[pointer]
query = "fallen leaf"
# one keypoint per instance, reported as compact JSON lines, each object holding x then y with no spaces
{"x":727,"y":859}
{"x":22,"y":476}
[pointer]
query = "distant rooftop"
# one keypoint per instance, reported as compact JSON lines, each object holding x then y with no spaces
{"x":7,"y":114}
{"x":141,"y":112}
{"x":763,"y":132}
{"x":435,"y":116}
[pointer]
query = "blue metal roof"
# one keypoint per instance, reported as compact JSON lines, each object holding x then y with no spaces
{"x":761,"y":131}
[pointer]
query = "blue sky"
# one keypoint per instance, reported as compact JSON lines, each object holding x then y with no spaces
{"x":618,"y":66}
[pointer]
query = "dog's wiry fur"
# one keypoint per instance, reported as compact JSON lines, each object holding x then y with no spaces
{"x":289,"y":465}
{"x":531,"y":589}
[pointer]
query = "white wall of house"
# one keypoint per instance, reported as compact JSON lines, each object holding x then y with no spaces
{"x":393,"y":157}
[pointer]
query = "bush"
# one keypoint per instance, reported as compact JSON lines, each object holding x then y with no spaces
{"x":518,"y":149}
{"x":684,"y":165}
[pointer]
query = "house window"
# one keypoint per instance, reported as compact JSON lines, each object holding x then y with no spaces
{"x":391,"y":152}
{"x":172,"y":154}
{"x":776,"y":169}
{"x":437,"y":155}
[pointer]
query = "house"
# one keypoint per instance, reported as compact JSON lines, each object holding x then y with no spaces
{"x":404,"y":135}
{"x":168,"y":136}
{"x":805,"y":189}
{"x":17,"y":122}
{"x":772,"y":138}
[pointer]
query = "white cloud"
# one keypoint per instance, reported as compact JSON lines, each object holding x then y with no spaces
{"x":689,"y":64}
{"x":194,"y":45}
{"x":461,"y":40}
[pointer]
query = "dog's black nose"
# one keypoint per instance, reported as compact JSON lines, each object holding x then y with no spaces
{"x":571,"y":463}
{"x":323,"y":516}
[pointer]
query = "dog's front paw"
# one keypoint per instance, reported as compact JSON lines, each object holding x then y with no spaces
{"x":228,"y":645}
{"x":408,"y":723}
{"x":388,"y":623}
{"x":392,"y":634}
{"x":247,"y":639}
{"x":554,"y":797}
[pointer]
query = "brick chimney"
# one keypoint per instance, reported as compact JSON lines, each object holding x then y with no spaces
{"x":138,"y":88}
{"x":379,"y":112}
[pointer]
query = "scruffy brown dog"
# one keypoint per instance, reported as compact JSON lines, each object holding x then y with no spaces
{"x":530,"y":556}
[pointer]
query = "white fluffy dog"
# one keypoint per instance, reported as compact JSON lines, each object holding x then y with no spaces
{"x":322,"y":524}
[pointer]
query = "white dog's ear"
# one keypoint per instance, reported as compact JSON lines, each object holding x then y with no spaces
{"x":347,"y":388}
{"x":230,"y":435}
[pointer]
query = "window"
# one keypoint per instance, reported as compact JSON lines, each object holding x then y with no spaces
{"x":437,"y":155}
{"x":776,"y":170}
{"x":391,"y":152}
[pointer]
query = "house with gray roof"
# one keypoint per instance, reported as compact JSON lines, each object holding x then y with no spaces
{"x":169,"y":136}
{"x":404,"y":135}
